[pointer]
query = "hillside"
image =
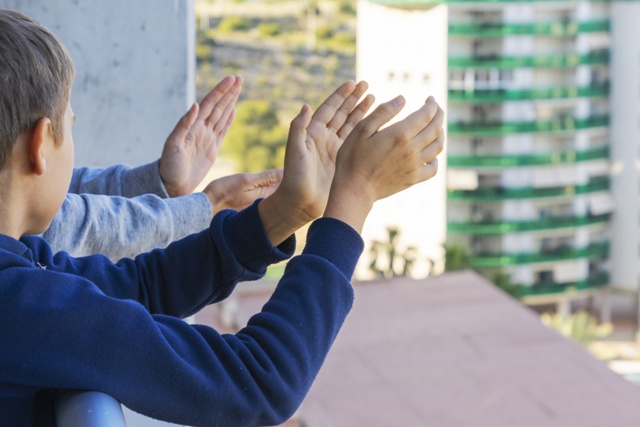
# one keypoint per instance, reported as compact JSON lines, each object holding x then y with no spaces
{"x":284,"y":62}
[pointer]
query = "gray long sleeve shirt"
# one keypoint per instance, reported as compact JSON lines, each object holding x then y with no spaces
{"x":121,"y":212}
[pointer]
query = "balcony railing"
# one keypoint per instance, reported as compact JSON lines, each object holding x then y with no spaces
{"x":88,"y":409}
{"x":509,"y":161}
{"x":498,"y":260}
{"x":501,"y":29}
{"x":503,"y":227}
{"x":496,"y":194}
{"x":596,"y":90}
{"x":423,"y":4}
{"x":546,"y":288}
{"x":567,"y":124}
{"x":570,"y":60}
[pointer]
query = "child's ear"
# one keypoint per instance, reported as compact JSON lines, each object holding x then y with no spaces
{"x":41,"y":138}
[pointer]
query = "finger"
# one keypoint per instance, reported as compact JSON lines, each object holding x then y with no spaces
{"x":220,"y":122}
{"x":271,"y":177}
{"x":380,"y":116}
{"x":342,"y":114}
{"x":429,"y":152}
{"x":227,"y":125}
{"x":186,"y":121}
{"x":327,"y":110}
{"x":356,"y":115}
{"x":428,"y":170}
{"x":214,"y":96}
{"x":222,"y":108}
{"x":298,"y":132}
{"x":421,"y":118}
{"x":432,"y":130}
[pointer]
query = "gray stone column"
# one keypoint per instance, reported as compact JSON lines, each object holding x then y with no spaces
{"x":135,"y":67}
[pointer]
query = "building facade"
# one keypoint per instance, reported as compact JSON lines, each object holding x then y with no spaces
{"x":543,"y":133}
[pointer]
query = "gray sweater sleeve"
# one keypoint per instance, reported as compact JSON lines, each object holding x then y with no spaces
{"x":124,"y":227}
{"x":119,"y":180}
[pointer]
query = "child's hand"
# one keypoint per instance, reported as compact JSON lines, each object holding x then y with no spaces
{"x":193,"y":145}
{"x":240,"y":190}
{"x":310,"y":158}
{"x":373,"y":164}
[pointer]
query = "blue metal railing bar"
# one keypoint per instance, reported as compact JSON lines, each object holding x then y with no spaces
{"x":88,"y":409}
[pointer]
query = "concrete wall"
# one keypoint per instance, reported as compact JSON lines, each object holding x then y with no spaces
{"x":135,"y":66}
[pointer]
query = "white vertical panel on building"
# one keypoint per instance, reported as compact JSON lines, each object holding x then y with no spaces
{"x":625,"y":142}
{"x":408,"y":58}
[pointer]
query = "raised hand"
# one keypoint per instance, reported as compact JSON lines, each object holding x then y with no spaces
{"x":373,"y":164}
{"x":240,"y":190}
{"x":309,"y":165}
{"x":193,"y":145}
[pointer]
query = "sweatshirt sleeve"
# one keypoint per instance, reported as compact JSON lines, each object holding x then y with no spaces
{"x":189,"y":374}
{"x":119,"y":180}
{"x":121,"y":227}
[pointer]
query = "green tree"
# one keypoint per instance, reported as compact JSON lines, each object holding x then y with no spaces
{"x":456,"y":257}
{"x":256,"y":140}
{"x":388,"y":259}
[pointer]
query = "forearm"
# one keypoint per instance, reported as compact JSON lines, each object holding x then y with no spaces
{"x":119,"y":180}
{"x":281,"y":218}
{"x":256,"y":377}
{"x":234,"y":248}
{"x":120,"y":227}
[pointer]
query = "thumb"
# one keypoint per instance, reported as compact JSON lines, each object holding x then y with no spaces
{"x":298,"y":128}
{"x":186,"y":121}
{"x":381,"y":115}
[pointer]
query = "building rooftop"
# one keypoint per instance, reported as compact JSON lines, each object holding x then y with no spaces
{"x":455,"y":351}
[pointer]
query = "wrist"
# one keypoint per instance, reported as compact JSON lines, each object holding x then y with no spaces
{"x":349,"y":205}
{"x":279,"y":219}
{"x":216,"y":198}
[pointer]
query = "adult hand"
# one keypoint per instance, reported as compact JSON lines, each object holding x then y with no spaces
{"x":309,"y":164}
{"x":240,"y":190}
{"x":193,"y":145}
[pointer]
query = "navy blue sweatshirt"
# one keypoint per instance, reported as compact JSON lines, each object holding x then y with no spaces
{"x":86,"y":323}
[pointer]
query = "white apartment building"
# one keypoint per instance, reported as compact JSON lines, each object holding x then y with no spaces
{"x":541,"y":177}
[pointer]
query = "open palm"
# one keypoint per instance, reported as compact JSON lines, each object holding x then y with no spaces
{"x":193,"y":146}
{"x":314,"y":140}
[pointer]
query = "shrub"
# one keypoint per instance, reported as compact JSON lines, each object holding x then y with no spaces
{"x":233,"y":23}
{"x":324,"y":32}
{"x":347,"y":7}
{"x":269,"y":29}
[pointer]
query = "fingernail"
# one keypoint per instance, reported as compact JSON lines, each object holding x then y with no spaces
{"x":304,"y":108}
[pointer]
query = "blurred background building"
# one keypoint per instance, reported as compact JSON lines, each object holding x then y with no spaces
{"x":543,"y":109}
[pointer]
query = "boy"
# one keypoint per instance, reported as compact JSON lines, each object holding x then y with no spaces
{"x":87,"y":323}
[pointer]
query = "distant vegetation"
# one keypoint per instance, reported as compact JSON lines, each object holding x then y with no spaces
{"x":287,"y":53}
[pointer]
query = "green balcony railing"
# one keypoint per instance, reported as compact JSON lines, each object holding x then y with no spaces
{"x":599,"y":57}
{"x":501,"y":29}
{"x":423,"y":4}
{"x":499,"y":194}
{"x":503,"y":227}
{"x":515,"y":160}
{"x":492,"y":96}
{"x":595,"y":250}
{"x":489,"y":128}
{"x":597,"y":281}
